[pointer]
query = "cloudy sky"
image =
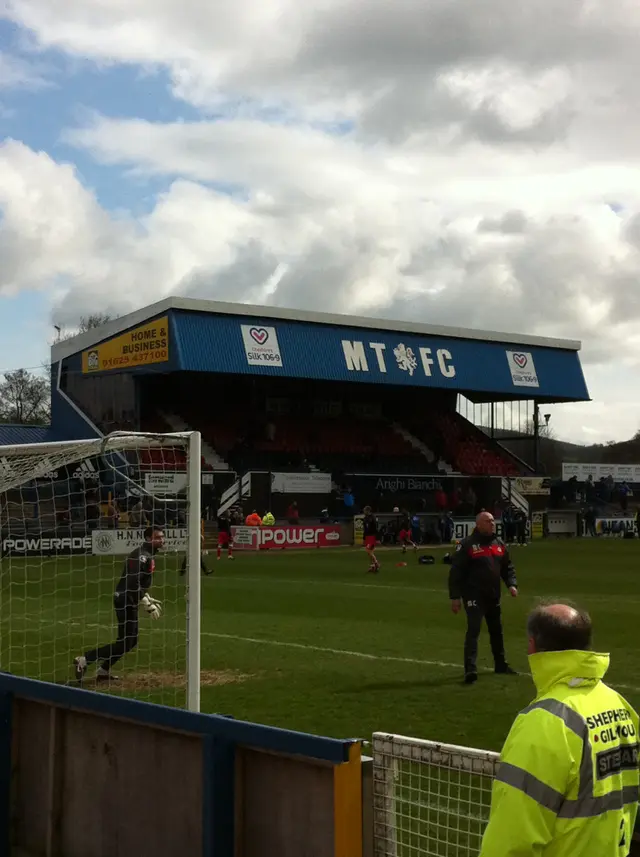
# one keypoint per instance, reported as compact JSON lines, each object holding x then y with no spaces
{"x":469,"y":163}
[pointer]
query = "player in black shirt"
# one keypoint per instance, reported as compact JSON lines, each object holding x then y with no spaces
{"x":404,"y":536}
{"x":370,"y":538}
{"x":131,"y":594}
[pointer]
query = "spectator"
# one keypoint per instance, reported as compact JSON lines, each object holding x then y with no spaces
{"x":137,"y":516}
{"x":113,"y":515}
{"x":590,"y":517}
{"x":610,"y":486}
{"x":293,"y":514}
{"x":590,"y":489}
{"x":508,"y":525}
{"x":349,"y":503}
{"x":416,"y":531}
{"x":441,"y":501}
{"x":520,"y":520}
{"x":454,"y":500}
{"x":470,"y":501}
{"x":625,"y":491}
{"x":446,"y":528}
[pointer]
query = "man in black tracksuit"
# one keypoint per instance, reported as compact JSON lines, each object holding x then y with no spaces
{"x":479,"y":563}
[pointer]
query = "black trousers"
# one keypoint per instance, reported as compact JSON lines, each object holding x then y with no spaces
{"x":477,"y":610}
{"x":127,"y":639}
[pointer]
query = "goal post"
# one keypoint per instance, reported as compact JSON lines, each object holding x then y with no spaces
{"x":429,"y":798}
{"x":70,"y":514}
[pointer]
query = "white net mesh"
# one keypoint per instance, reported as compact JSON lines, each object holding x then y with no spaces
{"x":71,"y":515}
{"x":429,"y":798}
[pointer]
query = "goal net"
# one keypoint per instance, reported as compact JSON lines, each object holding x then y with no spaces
{"x":429,"y":798}
{"x":71,"y":513}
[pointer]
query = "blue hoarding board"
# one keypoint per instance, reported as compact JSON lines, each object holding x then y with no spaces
{"x":244,"y":345}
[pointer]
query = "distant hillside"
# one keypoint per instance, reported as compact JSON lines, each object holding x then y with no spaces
{"x":553,"y":452}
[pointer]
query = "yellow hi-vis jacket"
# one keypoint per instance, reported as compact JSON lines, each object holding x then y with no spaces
{"x":567,"y":783}
{"x":268,"y":520}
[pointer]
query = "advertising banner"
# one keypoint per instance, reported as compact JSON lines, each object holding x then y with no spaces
{"x":114,"y":542}
{"x":620,"y":472}
{"x":165,"y":481}
{"x":45,"y":544}
{"x":261,"y":345}
{"x":464,"y":527}
{"x":537,"y":525}
{"x":301,"y":483}
{"x":142,"y":346}
{"x":613,"y":526}
{"x":529,"y":485}
{"x":264,"y":538}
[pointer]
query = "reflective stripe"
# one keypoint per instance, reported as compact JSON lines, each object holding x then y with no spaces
{"x":578,"y":725}
{"x":570,"y":718}
{"x":534,"y":788}
{"x":588,"y":807}
{"x":549,"y":798}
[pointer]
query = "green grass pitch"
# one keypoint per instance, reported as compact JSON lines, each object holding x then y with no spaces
{"x":307,"y":640}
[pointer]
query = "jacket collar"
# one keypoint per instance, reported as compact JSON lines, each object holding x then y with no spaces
{"x":573,"y":668}
{"x":483,"y":537}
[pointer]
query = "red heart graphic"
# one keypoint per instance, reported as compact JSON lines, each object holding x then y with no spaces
{"x":520,"y":359}
{"x":259,"y":335}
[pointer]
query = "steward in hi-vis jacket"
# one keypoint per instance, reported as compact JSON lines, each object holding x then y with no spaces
{"x":567,"y":783}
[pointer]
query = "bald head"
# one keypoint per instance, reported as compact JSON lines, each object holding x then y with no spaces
{"x":485,"y":523}
{"x":558,"y":626}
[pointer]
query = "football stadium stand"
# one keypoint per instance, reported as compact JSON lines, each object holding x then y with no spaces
{"x":278,"y":391}
{"x":269,"y":388}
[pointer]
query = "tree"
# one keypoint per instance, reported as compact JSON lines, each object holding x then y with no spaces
{"x":87,"y":322}
{"x":24,"y":398}
{"x":545,"y":430}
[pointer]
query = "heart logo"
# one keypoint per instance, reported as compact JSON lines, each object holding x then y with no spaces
{"x":259,"y":335}
{"x":520,"y":360}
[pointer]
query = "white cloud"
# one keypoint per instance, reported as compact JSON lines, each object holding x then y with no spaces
{"x":482,"y":151}
{"x":18,"y":73}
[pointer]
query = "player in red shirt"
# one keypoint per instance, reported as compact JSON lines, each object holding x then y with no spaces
{"x":225,"y":539}
{"x":370,"y":535}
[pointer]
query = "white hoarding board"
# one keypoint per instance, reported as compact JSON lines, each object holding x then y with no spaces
{"x":301,"y":483}
{"x":113,"y":542}
{"x":165,"y":481}
{"x":582,"y":471}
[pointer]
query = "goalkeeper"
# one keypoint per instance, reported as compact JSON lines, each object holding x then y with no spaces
{"x":131,"y":594}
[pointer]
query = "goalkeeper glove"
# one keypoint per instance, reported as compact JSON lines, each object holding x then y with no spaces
{"x":152,"y":606}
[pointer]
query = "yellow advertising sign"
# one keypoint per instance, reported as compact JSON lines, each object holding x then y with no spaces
{"x":141,"y":346}
{"x":537,"y":525}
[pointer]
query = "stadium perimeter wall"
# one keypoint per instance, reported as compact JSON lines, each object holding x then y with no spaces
{"x":84,"y":774}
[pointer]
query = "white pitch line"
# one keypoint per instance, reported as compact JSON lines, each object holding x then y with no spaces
{"x":309,"y":647}
{"x":305,"y":582}
{"x":369,"y":656}
{"x":363,"y":655}
{"x":401,"y":587}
